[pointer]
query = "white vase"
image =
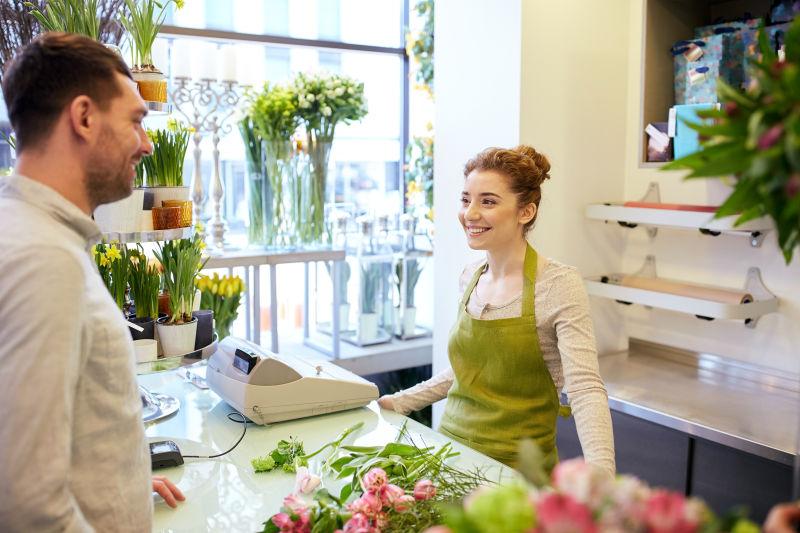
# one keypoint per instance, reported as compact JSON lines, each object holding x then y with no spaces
{"x":121,"y":216}
{"x":367,"y":327}
{"x":176,"y":339}
{"x":409,"y":321}
{"x":168,"y":193}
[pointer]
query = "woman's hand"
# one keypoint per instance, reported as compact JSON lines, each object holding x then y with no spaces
{"x":386,"y":402}
{"x":783,"y":519}
{"x":167,"y":490}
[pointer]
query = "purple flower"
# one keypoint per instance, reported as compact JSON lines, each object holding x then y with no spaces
{"x":770,"y":137}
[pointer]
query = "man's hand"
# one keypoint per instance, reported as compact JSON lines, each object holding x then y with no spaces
{"x":167,"y":490}
{"x":783,"y":519}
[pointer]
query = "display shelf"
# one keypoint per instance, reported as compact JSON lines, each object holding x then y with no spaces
{"x":148,"y":236}
{"x":653,"y":218}
{"x":763,"y":300}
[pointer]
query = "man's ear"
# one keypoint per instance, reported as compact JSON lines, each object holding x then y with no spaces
{"x":527,"y":213}
{"x":82,"y":115}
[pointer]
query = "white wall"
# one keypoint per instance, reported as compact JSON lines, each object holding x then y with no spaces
{"x":477,"y":66}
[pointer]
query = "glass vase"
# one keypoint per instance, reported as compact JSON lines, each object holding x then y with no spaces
{"x":279,"y":166}
{"x":260,"y":199}
{"x":315,"y":231}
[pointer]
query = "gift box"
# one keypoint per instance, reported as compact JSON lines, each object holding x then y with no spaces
{"x":697,"y":68}
{"x":727,"y":27}
{"x":659,"y":144}
{"x":686,"y":140}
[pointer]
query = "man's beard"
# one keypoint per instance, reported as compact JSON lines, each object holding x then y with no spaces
{"x":108,"y":173}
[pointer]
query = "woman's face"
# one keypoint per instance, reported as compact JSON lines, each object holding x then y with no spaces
{"x":489,"y":212}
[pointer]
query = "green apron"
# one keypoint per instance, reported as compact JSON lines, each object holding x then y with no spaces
{"x":503,"y":391}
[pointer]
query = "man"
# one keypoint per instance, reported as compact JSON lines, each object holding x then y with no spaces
{"x":73,"y":454}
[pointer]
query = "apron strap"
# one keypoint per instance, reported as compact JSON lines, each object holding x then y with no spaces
{"x":529,"y":283}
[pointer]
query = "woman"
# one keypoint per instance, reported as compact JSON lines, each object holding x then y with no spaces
{"x":523,"y":331}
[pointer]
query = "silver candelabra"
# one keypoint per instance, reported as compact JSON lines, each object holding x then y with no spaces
{"x":207,"y":104}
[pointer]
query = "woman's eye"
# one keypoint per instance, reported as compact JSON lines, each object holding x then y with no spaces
{"x":489,"y":202}
{"x":464,"y":201}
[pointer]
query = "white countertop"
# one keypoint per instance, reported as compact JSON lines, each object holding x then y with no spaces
{"x":225,"y":494}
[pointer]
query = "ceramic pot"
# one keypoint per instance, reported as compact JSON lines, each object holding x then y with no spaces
{"x":176,"y":339}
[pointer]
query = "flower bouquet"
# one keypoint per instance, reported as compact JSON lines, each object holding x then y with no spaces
{"x":113,"y":265}
{"x":755,"y":137}
{"x":222,"y":296}
{"x":323,"y":101}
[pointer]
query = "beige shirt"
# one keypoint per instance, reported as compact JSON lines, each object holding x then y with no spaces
{"x":74,"y":456}
{"x":566,"y":338}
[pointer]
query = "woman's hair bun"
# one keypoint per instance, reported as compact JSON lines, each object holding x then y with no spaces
{"x":540,"y":161}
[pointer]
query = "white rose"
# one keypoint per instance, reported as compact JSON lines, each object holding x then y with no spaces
{"x":339,"y":91}
{"x":326,"y":111}
{"x":350,"y":90}
{"x":330,"y":94}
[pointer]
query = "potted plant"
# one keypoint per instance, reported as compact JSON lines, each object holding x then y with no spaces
{"x":143,"y":22}
{"x":164,"y":167}
{"x":755,"y":138}
{"x":70,"y":16}
{"x":368,"y":317}
{"x":323,"y":101}
{"x":145,"y":282}
{"x":181,"y":261}
{"x":222,"y":296}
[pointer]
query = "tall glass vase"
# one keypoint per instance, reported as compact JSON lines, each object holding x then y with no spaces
{"x":319,"y":151}
{"x":260,"y":200}
{"x":279,"y":164}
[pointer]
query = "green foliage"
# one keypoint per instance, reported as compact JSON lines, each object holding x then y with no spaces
{"x":263,"y":464}
{"x":505,"y":508}
{"x":181,"y":261}
{"x":755,"y":137}
{"x":274,"y":112}
{"x":420,"y":47}
{"x":164,"y":166}
{"x":287,"y":455}
{"x":414,"y":269}
{"x":370,"y":284}
{"x":143,"y":23}
{"x":145,"y":281}
{"x":71,"y":16}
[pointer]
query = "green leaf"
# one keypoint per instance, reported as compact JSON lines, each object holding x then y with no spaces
{"x":347,"y":490}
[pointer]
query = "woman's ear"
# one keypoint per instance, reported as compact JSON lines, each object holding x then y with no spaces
{"x":527,"y":213}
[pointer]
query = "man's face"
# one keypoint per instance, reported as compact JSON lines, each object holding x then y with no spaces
{"x":120,"y":145}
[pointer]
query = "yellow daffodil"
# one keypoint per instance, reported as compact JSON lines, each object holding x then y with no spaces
{"x":104,"y":261}
{"x":113,"y":254}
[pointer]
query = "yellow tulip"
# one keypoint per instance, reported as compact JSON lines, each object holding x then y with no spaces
{"x":214,"y":288}
{"x":229,"y":291}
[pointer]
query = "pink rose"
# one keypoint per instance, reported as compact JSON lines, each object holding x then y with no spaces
{"x":665,"y":512}
{"x":358,"y":523}
{"x":584,"y":482}
{"x":560,"y":513}
{"x":374,"y":480}
{"x":295,"y":504}
{"x":368,"y":504}
{"x":424,"y":489}
{"x":283,"y":521}
{"x":381,"y":520}
{"x":627,"y":512}
{"x":405,"y":503}
{"x":305,"y":482}
{"x":389,"y":494}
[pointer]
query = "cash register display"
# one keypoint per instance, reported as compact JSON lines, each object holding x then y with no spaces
{"x":244,"y":361}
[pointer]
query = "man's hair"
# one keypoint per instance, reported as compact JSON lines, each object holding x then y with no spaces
{"x":48,"y":73}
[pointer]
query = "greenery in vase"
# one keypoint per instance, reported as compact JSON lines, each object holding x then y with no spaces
{"x":222,"y":296}
{"x":260,"y":195}
{"x":324,"y":101}
{"x":414,"y":269}
{"x":145,"y":282}
{"x":71,"y":16}
{"x":370,"y":284}
{"x":164,"y":167}
{"x":755,"y":137}
{"x":274,"y":114}
{"x":181,"y":262}
{"x":143,"y":22}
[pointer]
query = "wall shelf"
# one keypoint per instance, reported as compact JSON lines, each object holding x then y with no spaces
{"x":149,"y":236}
{"x":763,"y":300}
{"x":653,"y":218}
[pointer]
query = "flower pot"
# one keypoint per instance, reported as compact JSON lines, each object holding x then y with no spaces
{"x":205,"y":328}
{"x":147,"y":323}
{"x":168,"y":193}
{"x":121,"y":216}
{"x":368,"y":327}
{"x":163,"y":304}
{"x":166,"y":217}
{"x":409,"y":321}
{"x":176,"y":339}
{"x":146,"y":221}
{"x":151,"y":82}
